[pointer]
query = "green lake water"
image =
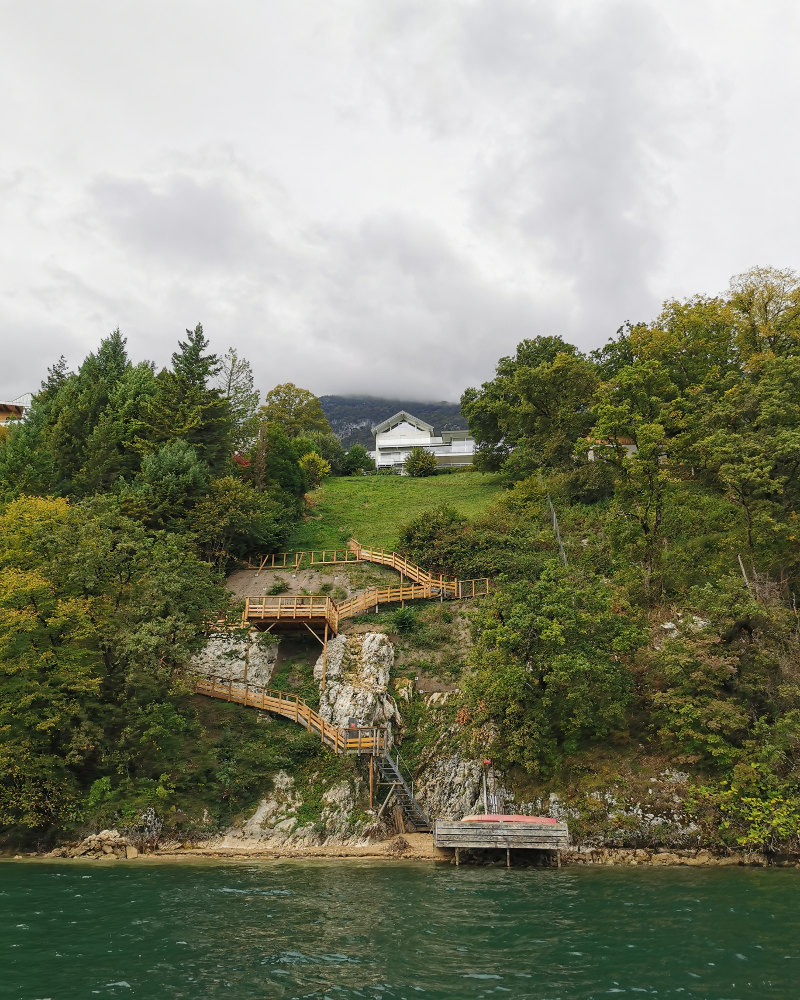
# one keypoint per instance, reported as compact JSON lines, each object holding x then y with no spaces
{"x":387,"y":931}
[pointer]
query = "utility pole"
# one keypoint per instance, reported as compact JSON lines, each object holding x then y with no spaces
{"x":558,"y":533}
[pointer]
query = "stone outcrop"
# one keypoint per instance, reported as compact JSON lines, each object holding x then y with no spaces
{"x":277,"y":822}
{"x":108,"y":844}
{"x":452,"y":787}
{"x":356,"y":680}
{"x":662,"y":857}
{"x":653,"y":815}
{"x":227,"y":657}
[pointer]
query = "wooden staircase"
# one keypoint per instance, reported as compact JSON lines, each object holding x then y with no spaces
{"x":373,"y":740}
{"x":323,"y":612}
{"x":355,"y":552}
{"x":403,"y":793}
{"x":366,"y":739}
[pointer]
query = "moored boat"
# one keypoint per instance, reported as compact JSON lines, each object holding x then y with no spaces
{"x":507,"y":818}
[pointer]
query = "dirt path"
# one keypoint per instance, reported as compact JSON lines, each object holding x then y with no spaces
{"x":339,"y":582}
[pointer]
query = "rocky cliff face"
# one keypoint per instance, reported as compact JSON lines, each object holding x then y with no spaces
{"x":278,"y":822}
{"x":356,"y":675}
{"x":652,"y":813}
{"x":451,"y":788}
{"x":356,"y":680}
{"x":231,"y":658}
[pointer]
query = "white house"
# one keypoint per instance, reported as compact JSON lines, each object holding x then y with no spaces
{"x":14,"y":409}
{"x":395,"y":437}
{"x":628,"y":445}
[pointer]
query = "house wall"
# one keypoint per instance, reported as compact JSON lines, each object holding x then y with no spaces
{"x":403,"y":434}
{"x":10,"y":412}
{"x":392,"y":447}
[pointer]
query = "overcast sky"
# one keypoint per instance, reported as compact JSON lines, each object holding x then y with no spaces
{"x":383,"y":196}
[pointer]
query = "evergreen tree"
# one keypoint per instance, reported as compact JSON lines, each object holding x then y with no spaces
{"x":185,"y":406}
{"x":235,"y":382}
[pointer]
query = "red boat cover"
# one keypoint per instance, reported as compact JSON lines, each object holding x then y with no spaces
{"x":500,"y":818}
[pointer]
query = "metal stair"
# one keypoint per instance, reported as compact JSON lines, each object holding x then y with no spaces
{"x":391,"y":774}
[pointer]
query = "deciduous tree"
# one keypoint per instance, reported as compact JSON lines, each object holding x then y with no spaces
{"x":296,"y":411}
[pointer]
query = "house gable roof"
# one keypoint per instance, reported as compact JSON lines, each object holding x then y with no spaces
{"x":401,"y":417}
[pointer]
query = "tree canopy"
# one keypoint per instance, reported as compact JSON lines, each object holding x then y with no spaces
{"x":646,"y":554}
{"x":296,"y":411}
{"x":121,"y":505}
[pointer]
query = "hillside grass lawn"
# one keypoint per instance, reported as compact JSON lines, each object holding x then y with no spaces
{"x":373,"y":509}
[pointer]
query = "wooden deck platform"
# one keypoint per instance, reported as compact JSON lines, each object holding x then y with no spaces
{"x":320,"y":615}
{"x":509,"y":836}
{"x":291,"y":613}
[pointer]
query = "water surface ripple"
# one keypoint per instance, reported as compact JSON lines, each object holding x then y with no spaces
{"x":390,"y":931}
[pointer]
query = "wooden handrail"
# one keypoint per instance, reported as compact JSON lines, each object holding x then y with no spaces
{"x":393,"y":559}
{"x":356,"y":552}
{"x":298,"y":560}
{"x":365,"y":739}
{"x":383,"y":595}
{"x":319,"y":608}
{"x":304,"y":608}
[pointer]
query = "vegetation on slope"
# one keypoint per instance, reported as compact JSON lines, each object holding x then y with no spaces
{"x":120,"y":507}
{"x":374,"y":509}
{"x":656,"y":618}
{"x":638,"y":509}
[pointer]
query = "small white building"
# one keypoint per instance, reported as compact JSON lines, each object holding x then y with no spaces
{"x":628,"y":446}
{"x":14,"y":409}
{"x":395,"y":437}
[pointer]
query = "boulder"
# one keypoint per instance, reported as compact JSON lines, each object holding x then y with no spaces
{"x":356,"y":680}
{"x":228,"y":657}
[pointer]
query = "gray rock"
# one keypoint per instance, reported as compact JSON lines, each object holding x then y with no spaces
{"x":451,"y":788}
{"x":356,"y":680}
{"x":274,"y":824}
{"x":226,"y":657}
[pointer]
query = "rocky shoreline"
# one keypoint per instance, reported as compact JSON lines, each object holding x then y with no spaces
{"x":111,"y":846}
{"x":610,"y":823}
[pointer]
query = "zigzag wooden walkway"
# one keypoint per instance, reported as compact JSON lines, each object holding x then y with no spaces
{"x":356,"y":553}
{"x":366,"y":739}
{"x":288,"y":612}
{"x":322,"y":611}
{"x":372,"y":740}
{"x":321,"y":615}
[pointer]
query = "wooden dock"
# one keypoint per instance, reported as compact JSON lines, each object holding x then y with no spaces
{"x":533,"y":836}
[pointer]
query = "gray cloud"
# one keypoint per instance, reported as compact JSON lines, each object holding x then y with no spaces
{"x":188,"y":220}
{"x":388,"y":305}
{"x":583,"y":109}
{"x":384,"y":197}
{"x":418,"y":313}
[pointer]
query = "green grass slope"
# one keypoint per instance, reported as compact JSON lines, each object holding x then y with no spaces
{"x":374,"y":508}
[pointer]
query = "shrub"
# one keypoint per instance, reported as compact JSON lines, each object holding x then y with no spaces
{"x":315,"y":469}
{"x":405,"y":621}
{"x":420,"y":463}
{"x":357,"y":461}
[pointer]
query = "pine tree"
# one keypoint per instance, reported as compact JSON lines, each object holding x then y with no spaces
{"x":185,"y":407}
